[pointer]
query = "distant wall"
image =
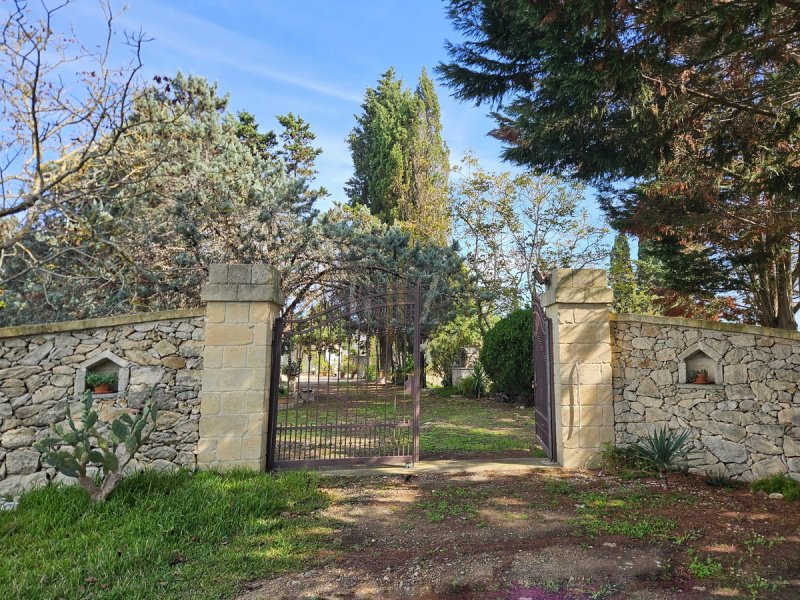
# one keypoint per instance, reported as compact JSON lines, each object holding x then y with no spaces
{"x":43,"y":367}
{"x":746,"y":423}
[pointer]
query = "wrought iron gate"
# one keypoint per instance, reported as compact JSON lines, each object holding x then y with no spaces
{"x":345,"y":383}
{"x":543,"y":399}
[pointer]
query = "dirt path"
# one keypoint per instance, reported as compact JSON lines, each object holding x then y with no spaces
{"x":547,"y":536}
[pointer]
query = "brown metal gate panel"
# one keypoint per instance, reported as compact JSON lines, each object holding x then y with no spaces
{"x":543,"y":399}
{"x":345,"y":383}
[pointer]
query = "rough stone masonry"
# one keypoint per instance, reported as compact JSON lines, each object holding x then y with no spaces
{"x":746,"y":424}
{"x":41,"y":373}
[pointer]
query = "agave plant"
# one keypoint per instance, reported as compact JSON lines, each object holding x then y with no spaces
{"x":83,"y":444}
{"x":665,"y":450}
{"x":480,"y":380}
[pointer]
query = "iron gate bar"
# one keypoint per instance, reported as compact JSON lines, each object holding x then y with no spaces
{"x":352,"y":420}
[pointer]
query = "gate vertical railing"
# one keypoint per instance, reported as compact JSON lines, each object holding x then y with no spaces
{"x":543,"y":373}
{"x":352,"y":392}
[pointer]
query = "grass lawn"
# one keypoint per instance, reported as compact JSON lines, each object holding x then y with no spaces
{"x":161,"y":536}
{"x":459,"y":427}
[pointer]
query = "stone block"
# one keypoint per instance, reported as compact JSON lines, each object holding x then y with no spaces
{"x":255,"y":402}
{"x":578,"y":458}
{"x":218,"y":273}
{"x":18,"y":438}
{"x":228,"y":335}
{"x":173,"y":362}
{"x":232,"y":403}
{"x":235,"y":357}
{"x":226,"y":380}
{"x":789,"y":416}
{"x":253,"y":448}
{"x":258,"y":357}
{"x":254,"y":293}
{"x":762,"y":445}
{"x":594,"y":374}
{"x":222,"y":426}
{"x":215,"y":312}
{"x":212,"y":357}
{"x":164,"y":348}
{"x":146,"y":375}
{"x":22,"y":461}
{"x":768,"y":467}
{"x":239,"y":274}
{"x":263,"y":312}
{"x":595,"y":437}
{"x":263,"y":275}
{"x":791,"y":447}
{"x":229,"y":449}
{"x":724,"y":450}
{"x":237,"y":312}
{"x":37,"y":355}
{"x":218,"y":292}
{"x":206,"y":450}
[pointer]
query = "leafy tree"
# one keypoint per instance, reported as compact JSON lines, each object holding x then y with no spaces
{"x":400,"y":160}
{"x":694,"y":103}
{"x":515,"y":225}
{"x":64,"y":109}
{"x":449,"y":340}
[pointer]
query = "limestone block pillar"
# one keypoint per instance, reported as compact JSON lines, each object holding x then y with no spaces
{"x":578,"y":302}
{"x":242,"y":302}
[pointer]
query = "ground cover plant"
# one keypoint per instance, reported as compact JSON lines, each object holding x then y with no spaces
{"x":781,"y":484}
{"x":160,"y":535}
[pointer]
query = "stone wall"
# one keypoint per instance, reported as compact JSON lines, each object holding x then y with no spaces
{"x":745,"y":424}
{"x":42,"y":368}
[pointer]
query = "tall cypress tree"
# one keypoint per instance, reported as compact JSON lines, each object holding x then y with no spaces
{"x":400,"y":159}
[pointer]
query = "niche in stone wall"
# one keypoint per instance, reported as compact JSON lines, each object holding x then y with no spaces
{"x":104,"y":366}
{"x":698,"y":358}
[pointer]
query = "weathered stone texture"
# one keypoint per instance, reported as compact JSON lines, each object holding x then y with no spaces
{"x":37,"y":381}
{"x":747,"y":426}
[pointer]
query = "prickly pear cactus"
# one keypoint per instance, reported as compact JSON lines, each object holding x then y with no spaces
{"x":71,"y":450}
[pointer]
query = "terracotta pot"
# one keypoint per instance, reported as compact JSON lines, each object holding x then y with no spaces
{"x":103,"y":388}
{"x":701,"y":378}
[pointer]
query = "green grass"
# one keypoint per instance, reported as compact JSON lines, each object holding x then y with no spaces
{"x":467,"y":425}
{"x":161,"y":536}
{"x":623,"y":512}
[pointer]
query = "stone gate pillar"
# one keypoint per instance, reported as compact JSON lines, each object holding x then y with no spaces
{"x":242,"y":302}
{"x":578,"y":301}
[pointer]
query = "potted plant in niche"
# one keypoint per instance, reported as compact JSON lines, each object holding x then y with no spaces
{"x":102,"y":383}
{"x":699,"y":377}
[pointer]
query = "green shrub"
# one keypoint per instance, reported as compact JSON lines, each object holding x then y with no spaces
{"x":466,"y":386}
{"x":507,"y":354}
{"x":780,"y":483}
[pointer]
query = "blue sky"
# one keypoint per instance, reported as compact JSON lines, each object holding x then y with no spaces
{"x":311,"y":57}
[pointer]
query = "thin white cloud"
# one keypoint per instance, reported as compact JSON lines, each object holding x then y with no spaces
{"x":202,"y":42}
